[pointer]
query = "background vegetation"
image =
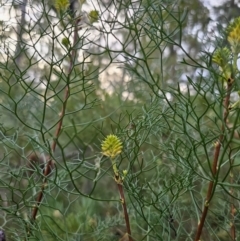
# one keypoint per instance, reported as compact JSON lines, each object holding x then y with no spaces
{"x":146,"y":71}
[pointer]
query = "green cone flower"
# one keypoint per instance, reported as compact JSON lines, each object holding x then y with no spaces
{"x":61,"y":5}
{"x":233,"y":35}
{"x":66,"y":42}
{"x":222,"y":58}
{"x":111,"y":146}
{"x":93,"y":16}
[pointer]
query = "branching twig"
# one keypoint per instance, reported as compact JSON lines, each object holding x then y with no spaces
{"x":50,"y":162}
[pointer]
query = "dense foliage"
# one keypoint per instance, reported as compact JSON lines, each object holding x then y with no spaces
{"x":119,"y":120}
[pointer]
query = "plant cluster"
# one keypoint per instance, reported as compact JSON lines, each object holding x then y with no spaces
{"x":101,"y":136}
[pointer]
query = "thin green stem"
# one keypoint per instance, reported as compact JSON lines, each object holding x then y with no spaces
{"x":232,"y":206}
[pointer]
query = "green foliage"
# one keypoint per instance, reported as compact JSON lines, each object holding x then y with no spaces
{"x":129,"y":70}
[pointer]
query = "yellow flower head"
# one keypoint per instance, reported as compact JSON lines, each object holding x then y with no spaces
{"x":66,"y":42}
{"x":222,"y":57}
{"x":61,"y":5}
{"x":111,"y":146}
{"x":93,"y":16}
{"x":125,"y":172}
{"x":233,"y":35}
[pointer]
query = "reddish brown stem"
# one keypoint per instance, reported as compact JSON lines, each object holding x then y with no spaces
{"x":215,"y":162}
{"x":50,"y":162}
{"x":124,"y":205}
